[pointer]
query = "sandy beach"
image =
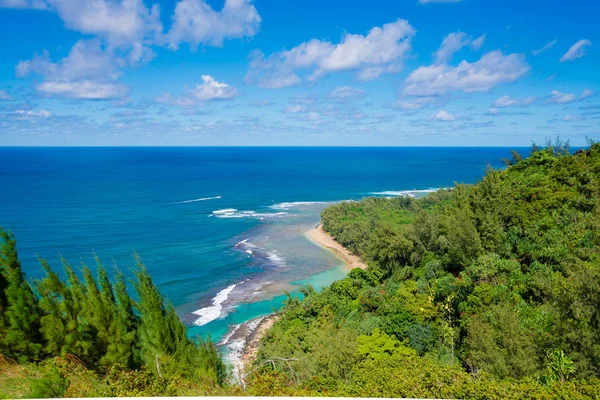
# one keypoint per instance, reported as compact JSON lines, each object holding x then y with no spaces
{"x":325,"y":240}
{"x":255,"y":330}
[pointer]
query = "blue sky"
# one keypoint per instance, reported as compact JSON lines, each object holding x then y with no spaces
{"x":273,"y":72}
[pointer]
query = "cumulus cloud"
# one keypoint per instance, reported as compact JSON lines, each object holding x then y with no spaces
{"x":120,"y":22}
{"x":125,"y":32}
{"x":557,"y":97}
{"x":570,"y":118}
{"x":491,"y":70}
{"x":443,"y":116}
{"x":27,"y":114}
{"x":455,"y":42}
{"x":345,"y":92}
{"x":576,"y":51}
{"x":547,"y":46}
{"x":295,"y":109}
{"x":586,"y":93}
{"x":507,"y":101}
{"x":89,"y":71}
{"x":414,"y":104}
{"x":379,"y":52}
{"x":32,"y":4}
{"x":209,"y":90}
{"x":195,"y":22}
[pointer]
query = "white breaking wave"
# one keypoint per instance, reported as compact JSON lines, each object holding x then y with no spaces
{"x":228,"y":336}
{"x":235,"y":213}
{"x":404,"y":193}
{"x":210,"y":313}
{"x":195,"y":200}
{"x":276,"y":258}
{"x":287,"y":206}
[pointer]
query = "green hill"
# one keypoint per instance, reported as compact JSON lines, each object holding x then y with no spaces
{"x":484,"y":290}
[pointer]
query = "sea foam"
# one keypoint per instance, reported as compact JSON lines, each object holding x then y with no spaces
{"x":235,"y":213}
{"x":404,"y":193}
{"x":210,"y":313}
{"x":196,"y":200}
{"x":297,"y":204}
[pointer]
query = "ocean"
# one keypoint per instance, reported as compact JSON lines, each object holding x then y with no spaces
{"x":220,"y":229}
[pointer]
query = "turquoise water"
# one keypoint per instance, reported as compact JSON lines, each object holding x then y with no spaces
{"x":213,"y":225}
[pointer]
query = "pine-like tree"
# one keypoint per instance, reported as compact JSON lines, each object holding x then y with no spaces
{"x":20,"y":331}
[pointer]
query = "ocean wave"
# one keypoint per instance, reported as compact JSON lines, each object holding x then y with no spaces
{"x":235,"y":213}
{"x":229,"y":335}
{"x":290,"y":205}
{"x":404,"y":193}
{"x":210,"y":313}
{"x":276,"y":258}
{"x":196,"y":200}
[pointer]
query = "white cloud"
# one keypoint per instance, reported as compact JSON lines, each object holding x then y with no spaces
{"x":560,"y":98}
{"x":313,"y":116}
{"x":479,"y":42}
{"x":195,"y":22}
{"x":4,"y":96}
{"x":547,"y":46}
{"x":209,"y":90}
{"x":89,"y":71}
{"x":26,"y":114}
{"x":33,"y":4}
{"x":586,"y":93}
{"x":491,"y":70}
{"x":345,"y":92}
{"x":506,"y":101}
{"x":570,"y":118}
{"x":414,"y":104}
{"x":381,"y":51}
{"x":557,"y":97}
{"x":443,"y":116}
{"x":576,"y":51}
{"x":85,"y":90}
{"x":454,"y":42}
{"x":120,"y":22}
{"x":298,"y":108}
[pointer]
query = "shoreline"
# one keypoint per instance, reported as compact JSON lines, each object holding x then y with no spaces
{"x":252,"y":339}
{"x":323,"y":239}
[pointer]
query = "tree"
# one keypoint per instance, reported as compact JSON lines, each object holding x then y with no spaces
{"x":20,"y":326}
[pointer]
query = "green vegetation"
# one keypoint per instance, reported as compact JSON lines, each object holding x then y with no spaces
{"x":88,"y":337}
{"x":489,"y":290}
{"x":483,"y":291}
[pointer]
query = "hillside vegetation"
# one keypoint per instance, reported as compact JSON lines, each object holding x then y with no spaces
{"x":88,"y":337}
{"x":489,"y":290}
{"x":482,"y":291}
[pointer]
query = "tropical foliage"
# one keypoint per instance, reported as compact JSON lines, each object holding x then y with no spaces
{"x":90,"y":329}
{"x":484,"y":290}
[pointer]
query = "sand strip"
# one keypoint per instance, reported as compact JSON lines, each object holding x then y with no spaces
{"x":325,"y":240}
{"x":253,"y":340}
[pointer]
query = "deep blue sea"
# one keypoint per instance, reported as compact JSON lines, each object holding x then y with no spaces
{"x":220,"y":229}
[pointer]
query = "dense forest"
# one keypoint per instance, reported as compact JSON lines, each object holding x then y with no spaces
{"x":490,"y":290}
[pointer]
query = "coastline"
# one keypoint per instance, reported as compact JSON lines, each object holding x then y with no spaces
{"x":323,"y":239}
{"x":255,"y":332}
{"x":253,"y":340}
